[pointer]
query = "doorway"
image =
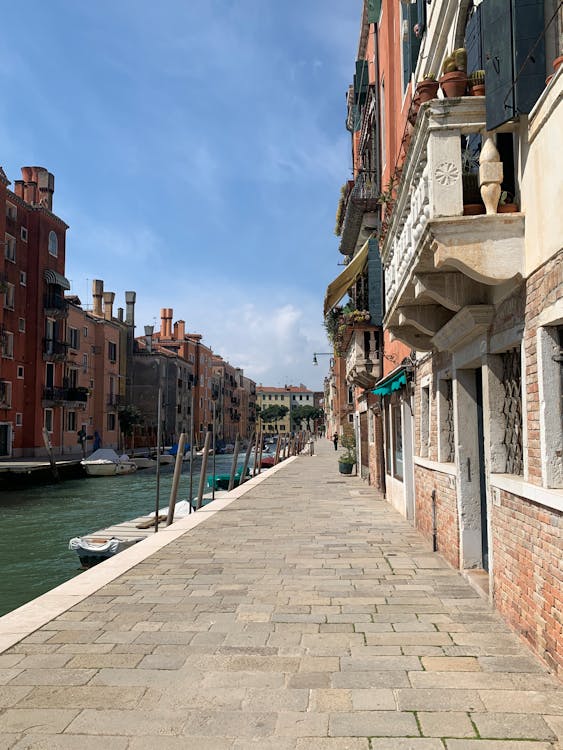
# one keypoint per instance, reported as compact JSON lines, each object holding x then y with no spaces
{"x":5,"y":439}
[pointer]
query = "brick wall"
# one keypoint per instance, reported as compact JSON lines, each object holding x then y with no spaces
{"x":426,"y":480}
{"x":528,"y":573}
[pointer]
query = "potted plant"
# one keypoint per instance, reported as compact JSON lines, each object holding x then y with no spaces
{"x":506,"y":204}
{"x":476,"y":82}
{"x":472,"y":202}
{"x":347,"y":459}
{"x":454,"y":74}
{"x":427,"y":89}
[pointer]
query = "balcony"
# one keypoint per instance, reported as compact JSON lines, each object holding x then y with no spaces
{"x":114,"y":401}
{"x":54,"y":351}
{"x":363,"y":362}
{"x":444,"y":271}
{"x":360,"y":213}
{"x":54,"y":395}
{"x":55,"y":305}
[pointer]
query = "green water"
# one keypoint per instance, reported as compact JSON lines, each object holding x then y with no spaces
{"x":37,"y":523}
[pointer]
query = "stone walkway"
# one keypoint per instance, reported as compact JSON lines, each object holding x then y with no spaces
{"x":307,"y":614}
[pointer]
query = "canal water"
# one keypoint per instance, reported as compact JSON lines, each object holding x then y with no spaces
{"x":38,"y":522}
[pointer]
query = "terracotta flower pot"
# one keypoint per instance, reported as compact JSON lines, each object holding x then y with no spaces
{"x":557,"y":62}
{"x":473,"y":209}
{"x":427,"y":90}
{"x":454,"y":84}
{"x":507,"y":208}
{"x":548,"y":79}
{"x":478,"y":89}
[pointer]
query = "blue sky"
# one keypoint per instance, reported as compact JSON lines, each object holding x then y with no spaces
{"x":198,"y":148}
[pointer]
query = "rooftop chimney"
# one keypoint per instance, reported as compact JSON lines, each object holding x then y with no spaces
{"x":38,"y":186}
{"x":130,"y":298}
{"x":108,"y":305}
{"x":149,"y":330}
{"x":120,"y":314}
{"x":97,"y":293}
{"x":18,"y":188}
{"x":180,"y":330}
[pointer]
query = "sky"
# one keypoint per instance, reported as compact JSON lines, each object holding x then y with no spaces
{"x":198,"y":148}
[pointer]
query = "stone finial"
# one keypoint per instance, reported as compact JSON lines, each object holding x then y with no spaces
{"x":490,"y":174}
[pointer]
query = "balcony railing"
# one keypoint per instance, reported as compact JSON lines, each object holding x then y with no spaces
{"x":53,"y":349}
{"x":362,"y":199}
{"x":55,"y":303}
{"x":436,"y":259}
{"x":64,"y":395}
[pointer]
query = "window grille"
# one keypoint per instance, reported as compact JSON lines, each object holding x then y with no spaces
{"x":450,"y":435}
{"x":512,"y":411}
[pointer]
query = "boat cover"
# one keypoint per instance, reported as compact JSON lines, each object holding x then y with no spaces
{"x":103,"y":454}
{"x":107,"y":546}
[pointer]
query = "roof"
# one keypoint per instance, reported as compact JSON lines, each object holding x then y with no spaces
{"x":286,"y":389}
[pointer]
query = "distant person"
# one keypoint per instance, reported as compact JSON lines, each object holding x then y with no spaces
{"x":97,"y":441}
{"x":335,"y":441}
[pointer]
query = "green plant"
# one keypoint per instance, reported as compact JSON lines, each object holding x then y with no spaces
{"x":506,"y":197}
{"x":340,"y":211}
{"x":477,"y":78}
{"x":429,"y":77}
{"x":456,"y":61}
{"x":348,"y":442}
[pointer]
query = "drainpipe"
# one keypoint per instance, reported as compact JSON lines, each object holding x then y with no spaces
{"x":434,"y":525}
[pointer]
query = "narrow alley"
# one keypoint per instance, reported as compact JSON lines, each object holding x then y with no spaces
{"x":305,"y":614}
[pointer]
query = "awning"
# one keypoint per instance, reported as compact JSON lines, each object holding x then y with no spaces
{"x":338,"y":288}
{"x":393,"y":382}
{"x":53,"y":277}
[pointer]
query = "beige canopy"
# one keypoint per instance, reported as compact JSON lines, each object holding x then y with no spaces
{"x":338,"y":288}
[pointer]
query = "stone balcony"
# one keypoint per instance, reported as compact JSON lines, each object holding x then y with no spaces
{"x":445,"y":271}
{"x":363,"y":362}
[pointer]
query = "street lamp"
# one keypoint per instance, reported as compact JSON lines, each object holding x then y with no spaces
{"x":321,"y":354}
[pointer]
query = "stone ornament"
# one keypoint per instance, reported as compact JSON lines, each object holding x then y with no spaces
{"x":490,"y":174}
{"x":447,"y":173}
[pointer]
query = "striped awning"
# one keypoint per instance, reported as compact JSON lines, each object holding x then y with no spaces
{"x":54,"y":277}
{"x":338,"y":288}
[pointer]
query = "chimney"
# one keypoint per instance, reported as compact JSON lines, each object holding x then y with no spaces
{"x":120,"y":314}
{"x":163,"y":312}
{"x":108,"y":305}
{"x":46,"y":183}
{"x":149,"y":330}
{"x":130,"y":298}
{"x":97,"y":292}
{"x":169,"y":316}
{"x":180,"y":330}
{"x":18,"y":188}
{"x":30,"y":192}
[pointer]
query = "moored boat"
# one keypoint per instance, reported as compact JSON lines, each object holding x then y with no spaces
{"x":92,"y":550}
{"x":106,"y":463}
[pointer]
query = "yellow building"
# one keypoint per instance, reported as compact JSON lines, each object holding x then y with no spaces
{"x":267,"y":396}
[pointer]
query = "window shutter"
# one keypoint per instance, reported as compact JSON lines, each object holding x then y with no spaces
{"x":514,"y":81}
{"x":374,"y":10}
{"x":421,"y":16}
{"x":375,"y":288}
{"x":361,"y":81}
{"x":414,"y":40}
{"x":473,"y":41}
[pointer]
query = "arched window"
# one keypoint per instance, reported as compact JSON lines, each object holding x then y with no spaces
{"x":53,"y":244}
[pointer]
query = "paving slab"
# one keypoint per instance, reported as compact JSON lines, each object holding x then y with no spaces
{"x":302,"y":612}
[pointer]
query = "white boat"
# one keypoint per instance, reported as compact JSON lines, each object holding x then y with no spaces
{"x":92,"y":550}
{"x":143,"y":462}
{"x":106,"y":463}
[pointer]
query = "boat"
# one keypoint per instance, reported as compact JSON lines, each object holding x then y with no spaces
{"x":222,"y":480}
{"x":106,"y":463}
{"x":164,"y":458}
{"x":143,"y":462}
{"x":202,"y":451}
{"x":92,"y":550}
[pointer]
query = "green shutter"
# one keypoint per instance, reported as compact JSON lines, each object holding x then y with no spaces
{"x":361,"y":81}
{"x":414,"y":40}
{"x":374,"y":10}
{"x":529,"y":66}
{"x":375,"y":286}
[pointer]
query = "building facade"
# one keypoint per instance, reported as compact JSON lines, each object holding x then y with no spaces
{"x":470,"y":242}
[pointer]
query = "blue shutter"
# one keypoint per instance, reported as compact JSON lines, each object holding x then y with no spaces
{"x":374,"y":10}
{"x":528,"y":17}
{"x":473,"y":41}
{"x":421,"y":16}
{"x":375,"y":287}
{"x":361,"y":81}
{"x":414,"y":41}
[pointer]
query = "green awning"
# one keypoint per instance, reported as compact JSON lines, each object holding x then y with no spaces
{"x":393,"y":383}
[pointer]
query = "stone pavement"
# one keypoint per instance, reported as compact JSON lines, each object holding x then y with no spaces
{"x":306,"y":615}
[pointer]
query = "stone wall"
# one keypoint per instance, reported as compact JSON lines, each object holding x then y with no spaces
{"x":425,"y":481}
{"x":528,"y":573}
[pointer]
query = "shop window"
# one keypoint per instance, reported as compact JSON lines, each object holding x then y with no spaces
{"x":397,"y":429}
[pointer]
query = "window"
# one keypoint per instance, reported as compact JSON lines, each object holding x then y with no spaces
{"x":20,"y":372}
{"x":49,"y":375}
{"x":53,"y":244}
{"x":8,"y":345}
{"x":446,"y":434}
{"x":23,"y":278}
{"x":73,"y":338}
{"x":10,"y":297}
{"x":550,"y":382}
{"x":512,"y":410}
{"x":397,"y":431}
{"x":111,"y":422}
{"x":23,"y":234}
{"x":21,"y":325}
{"x":85,"y":362}
{"x":350,"y":395}
{"x":412,"y":26}
{"x":5,"y":394}
{"x":85,"y":332}
{"x":424,"y":420}
{"x":10,"y":248}
{"x":48,"y":420}
{"x":351,"y":418}
{"x":19,"y":419}
{"x":112,"y":351}
{"x":71,"y":421}
{"x":11,"y":212}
